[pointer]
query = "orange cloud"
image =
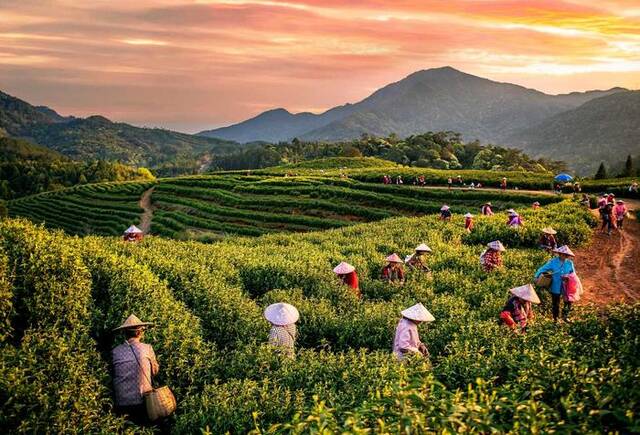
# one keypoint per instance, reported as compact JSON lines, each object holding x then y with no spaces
{"x":198,"y":64}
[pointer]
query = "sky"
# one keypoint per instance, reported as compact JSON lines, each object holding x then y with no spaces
{"x":190,"y":65}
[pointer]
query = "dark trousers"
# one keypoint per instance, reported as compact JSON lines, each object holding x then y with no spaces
{"x":134,"y":413}
{"x":555,"y":307}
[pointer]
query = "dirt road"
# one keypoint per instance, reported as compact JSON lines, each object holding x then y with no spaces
{"x":147,"y":214}
{"x":610,"y":266}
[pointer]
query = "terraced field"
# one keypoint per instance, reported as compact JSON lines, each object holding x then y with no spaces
{"x":213,"y":206}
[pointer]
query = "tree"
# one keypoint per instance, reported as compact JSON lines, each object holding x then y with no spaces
{"x":602,"y":172}
{"x":628,"y":168}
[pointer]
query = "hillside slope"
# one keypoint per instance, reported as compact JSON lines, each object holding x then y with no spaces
{"x":604,"y":129}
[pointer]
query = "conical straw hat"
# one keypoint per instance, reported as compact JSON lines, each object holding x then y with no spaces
{"x":408,"y":258}
{"x":423,"y":248}
{"x":511,"y":210}
{"x":536,"y":203}
{"x":418,"y":312}
{"x":496,"y":245}
{"x":343,"y":268}
{"x":133,"y":322}
{"x":281,"y":314}
{"x":527,"y":293}
{"x":468,"y":215}
{"x":549,"y":230}
{"x":564,"y":249}
{"x":133,"y":230}
{"x":444,"y":208}
{"x":394,"y":258}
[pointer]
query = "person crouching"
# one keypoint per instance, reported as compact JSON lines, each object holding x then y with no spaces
{"x":283,"y":333}
{"x":407,"y":340}
{"x":517,"y":311}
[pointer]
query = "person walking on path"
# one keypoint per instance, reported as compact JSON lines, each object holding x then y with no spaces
{"x":620,"y":211}
{"x":608,"y":220}
{"x":503,"y":183}
{"x":559,"y":268}
{"x":517,"y":311}
{"x":349,"y":277}
{"x":134,"y":364}
{"x":283,"y":333}
{"x":407,"y":340}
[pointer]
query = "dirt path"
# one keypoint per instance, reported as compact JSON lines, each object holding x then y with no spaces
{"x":610,"y":266}
{"x":147,"y":214}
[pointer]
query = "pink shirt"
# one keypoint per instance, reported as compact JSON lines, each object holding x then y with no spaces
{"x":620,"y":210}
{"x":406,"y":338}
{"x":130,"y":380}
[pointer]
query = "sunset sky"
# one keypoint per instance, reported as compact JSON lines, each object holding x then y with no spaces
{"x":191,"y":65}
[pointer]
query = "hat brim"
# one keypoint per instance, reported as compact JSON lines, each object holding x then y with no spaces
{"x":135,"y":326}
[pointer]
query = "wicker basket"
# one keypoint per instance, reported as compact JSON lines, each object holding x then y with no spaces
{"x":160,"y":403}
{"x":544,"y":280}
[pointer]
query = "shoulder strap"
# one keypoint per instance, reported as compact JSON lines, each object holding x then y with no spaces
{"x":138,"y":361}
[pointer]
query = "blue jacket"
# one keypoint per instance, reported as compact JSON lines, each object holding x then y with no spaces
{"x":557,"y":268}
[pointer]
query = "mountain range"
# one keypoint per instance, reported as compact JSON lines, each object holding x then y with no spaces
{"x":96,"y":137}
{"x":445,"y":99}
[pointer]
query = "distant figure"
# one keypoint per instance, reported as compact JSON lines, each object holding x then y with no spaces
{"x":459,"y":180}
{"x":399,"y":180}
{"x":472,"y":186}
{"x":602,"y":201}
{"x":445,"y":213}
{"x":608,"y":219}
{"x":416,"y":260}
{"x":620,"y":211}
{"x":585,"y":201}
{"x":611,"y":198}
{"x":478,"y":185}
{"x":536,"y":205}
{"x":559,"y":267}
{"x":133,"y":234}
{"x":348,"y":276}
{"x":548,"y":240}
{"x":422,"y":180}
{"x":283,"y":318}
{"x":393,"y":271}
{"x":134,"y":364}
{"x":514,"y":219}
{"x":517,"y":311}
{"x":468,"y":222}
{"x":577,"y":188}
{"x":449,"y":183}
{"x":407,"y":340}
{"x":634,"y":187}
{"x":491,"y":258}
{"x":503,"y":183}
{"x":486,"y":209}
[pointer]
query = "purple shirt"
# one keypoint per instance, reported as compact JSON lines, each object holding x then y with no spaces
{"x":130,"y":380}
{"x":406,"y":338}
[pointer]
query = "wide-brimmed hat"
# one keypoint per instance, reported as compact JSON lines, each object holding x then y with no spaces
{"x":281,"y":314}
{"x":564,"y":249}
{"x":468,"y":215}
{"x":394,"y":258}
{"x":422,"y":248}
{"x":496,"y":245}
{"x":343,"y":268}
{"x":620,"y":201}
{"x":133,"y":322}
{"x":419,"y":313}
{"x":133,"y":230}
{"x":527,"y":293}
{"x":536,"y":203}
{"x":488,"y":203}
{"x":444,"y":208}
{"x":549,"y":230}
{"x":511,"y":210}
{"x":612,"y":194}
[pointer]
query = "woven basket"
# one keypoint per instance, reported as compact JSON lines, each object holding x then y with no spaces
{"x":160,"y":403}
{"x":544,"y":280}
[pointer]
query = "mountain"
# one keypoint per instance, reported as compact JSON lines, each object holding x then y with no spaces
{"x":12,"y":150}
{"x":439,"y":99}
{"x":96,"y":137}
{"x":603,"y":129}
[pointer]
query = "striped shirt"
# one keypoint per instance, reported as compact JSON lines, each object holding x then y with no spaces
{"x":130,"y":380}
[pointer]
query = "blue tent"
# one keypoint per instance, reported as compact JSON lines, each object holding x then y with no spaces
{"x":563,"y":178}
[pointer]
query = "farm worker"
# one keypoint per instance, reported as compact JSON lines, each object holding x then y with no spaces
{"x":585,"y":201}
{"x":486,"y":209}
{"x":503,"y":183}
{"x":283,"y":318}
{"x":468,"y":222}
{"x":491,"y":258}
{"x":611,"y":199}
{"x":407,"y":339}
{"x":634,"y":187}
{"x":558,"y":267}
{"x":134,"y":364}
{"x":517,"y":311}
{"x":445,"y":213}
{"x":416,"y":260}
{"x":620,"y":211}
{"x":449,"y":183}
{"x":548,"y":240}
{"x":536,"y":205}
{"x":514,"y":219}
{"x":399,"y":180}
{"x":393,"y":271}
{"x":348,"y":276}
{"x":608,"y":220}
{"x":602,"y":201}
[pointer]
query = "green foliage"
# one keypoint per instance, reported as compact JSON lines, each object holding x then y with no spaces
{"x":601,"y":173}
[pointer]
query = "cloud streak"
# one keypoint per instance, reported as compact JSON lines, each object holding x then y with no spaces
{"x":195,"y":64}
